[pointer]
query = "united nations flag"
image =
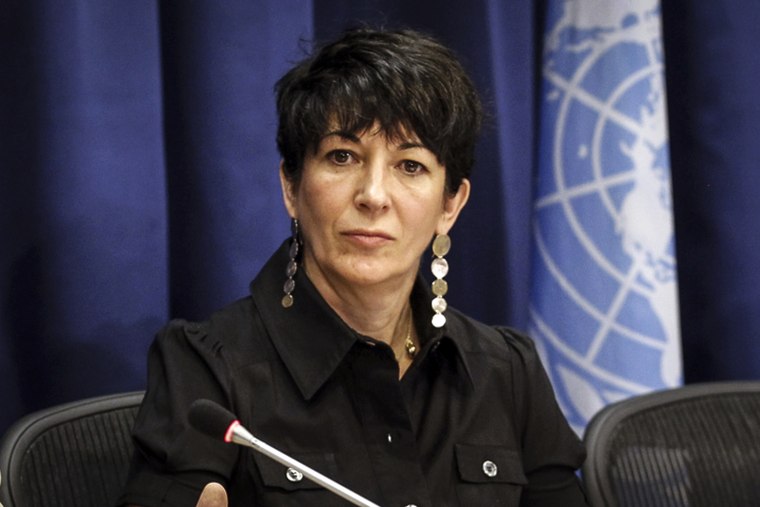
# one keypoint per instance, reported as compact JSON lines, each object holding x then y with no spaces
{"x":604,"y":308}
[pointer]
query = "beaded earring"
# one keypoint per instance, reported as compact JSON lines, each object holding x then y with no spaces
{"x":292,"y":268}
{"x":440,"y":267}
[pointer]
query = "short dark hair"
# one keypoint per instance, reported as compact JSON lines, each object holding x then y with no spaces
{"x":402,"y":80}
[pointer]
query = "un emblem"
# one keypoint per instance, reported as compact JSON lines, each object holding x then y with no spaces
{"x":604,"y":303}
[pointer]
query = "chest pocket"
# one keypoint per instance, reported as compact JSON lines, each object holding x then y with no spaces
{"x":275,"y":475}
{"x":489,"y":475}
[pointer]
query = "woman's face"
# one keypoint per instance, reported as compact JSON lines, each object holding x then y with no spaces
{"x":368,"y":207}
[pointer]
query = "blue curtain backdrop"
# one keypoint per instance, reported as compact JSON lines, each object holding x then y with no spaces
{"x":138,"y":172}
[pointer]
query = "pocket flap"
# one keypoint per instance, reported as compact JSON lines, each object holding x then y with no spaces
{"x":489,"y":463}
{"x":276,"y":475}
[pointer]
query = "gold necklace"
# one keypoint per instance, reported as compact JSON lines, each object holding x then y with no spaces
{"x":409,"y":346}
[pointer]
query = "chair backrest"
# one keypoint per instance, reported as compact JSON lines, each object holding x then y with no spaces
{"x":697,"y":445}
{"x":76,"y":454}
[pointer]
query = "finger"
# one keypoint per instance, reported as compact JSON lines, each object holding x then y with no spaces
{"x":213,"y":495}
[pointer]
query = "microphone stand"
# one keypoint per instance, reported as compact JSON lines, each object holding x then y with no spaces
{"x":242,"y":436}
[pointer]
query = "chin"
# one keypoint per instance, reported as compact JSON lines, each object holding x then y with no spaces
{"x":373,"y":274}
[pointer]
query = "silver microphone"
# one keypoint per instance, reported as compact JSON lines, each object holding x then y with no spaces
{"x":215,"y":421}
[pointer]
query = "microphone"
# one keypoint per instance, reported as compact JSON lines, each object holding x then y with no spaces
{"x":215,"y":421}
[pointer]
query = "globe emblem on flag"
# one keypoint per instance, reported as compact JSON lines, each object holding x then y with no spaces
{"x":604,"y":304}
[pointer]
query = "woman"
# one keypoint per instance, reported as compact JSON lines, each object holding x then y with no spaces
{"x":343,"y":356}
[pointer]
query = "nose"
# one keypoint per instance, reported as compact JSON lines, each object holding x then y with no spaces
{"x":372,"y":192}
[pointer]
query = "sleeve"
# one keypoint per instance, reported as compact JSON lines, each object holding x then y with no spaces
{"x":552,"y":452}
{"x":173,"y":462}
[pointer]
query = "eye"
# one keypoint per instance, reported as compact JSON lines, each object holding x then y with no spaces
{"x":411,"y":167}
{"x":340,"y":157}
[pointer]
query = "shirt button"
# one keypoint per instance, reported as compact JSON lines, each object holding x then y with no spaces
{"x":490,"y":468}
{"x":411,"y":505}
{"x":390,"y":438}
{"x":293,"y":475}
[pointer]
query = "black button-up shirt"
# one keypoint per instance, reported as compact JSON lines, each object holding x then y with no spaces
{"x":473,"y":421}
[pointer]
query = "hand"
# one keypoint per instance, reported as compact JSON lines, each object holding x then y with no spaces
{"x":213,"y":495}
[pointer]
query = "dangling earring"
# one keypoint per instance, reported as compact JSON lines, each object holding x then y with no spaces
{"x":440,"y":267}
{"x":292,"y":268}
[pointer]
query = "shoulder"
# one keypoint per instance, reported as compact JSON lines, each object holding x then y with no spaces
{"x":498,"y":354}
{"x":234,"y":327}
{"x":502,"y":342}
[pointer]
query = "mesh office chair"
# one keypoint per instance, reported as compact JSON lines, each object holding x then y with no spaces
{"x":698,"y":445}
{"x":75,"y":454}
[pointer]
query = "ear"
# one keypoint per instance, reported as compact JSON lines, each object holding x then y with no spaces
{"x":452,"y":205}
{"x":289,"y":193}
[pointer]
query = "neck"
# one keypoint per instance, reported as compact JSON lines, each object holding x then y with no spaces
{"x":381,"y":311}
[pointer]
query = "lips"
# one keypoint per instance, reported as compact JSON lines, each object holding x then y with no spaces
{"x":368,"y":237}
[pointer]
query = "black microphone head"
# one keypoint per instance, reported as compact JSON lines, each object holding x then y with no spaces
{"x":210,"y":418}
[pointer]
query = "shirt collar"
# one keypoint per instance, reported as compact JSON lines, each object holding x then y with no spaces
{"x":451,"y":338}
{"x":312,"y":339}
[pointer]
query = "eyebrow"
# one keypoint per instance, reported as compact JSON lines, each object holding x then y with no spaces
{"x":411,"y":145}
{"x":408,"y":145}
{"x":342,"y":134}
